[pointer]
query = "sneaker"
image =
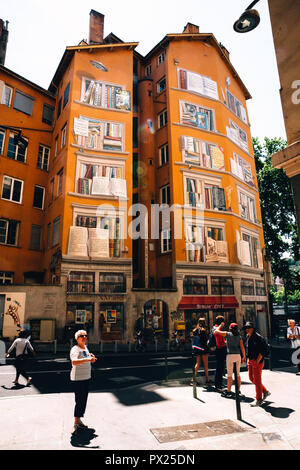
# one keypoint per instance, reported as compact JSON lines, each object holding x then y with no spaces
{"x":75,"y":429}
{"x":227,"y":394}
{"x":219,"y":390}
{"x":257,"y":403}
{"x":81,"y":425}
{"x":266,"y":395}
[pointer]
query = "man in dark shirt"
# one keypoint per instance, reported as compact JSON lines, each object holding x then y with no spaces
{"x":255,"y":353}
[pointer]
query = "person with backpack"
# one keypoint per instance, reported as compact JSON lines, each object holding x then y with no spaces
{"x":22,"y":345}
{"x":220,"y":350}
{"x":257,"y":349}
{"x":293,"y":334}
{"x":235,"y":346}
{"x":200,"y":349}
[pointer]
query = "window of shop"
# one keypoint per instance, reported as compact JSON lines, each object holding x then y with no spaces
{"x":81,"y":283}
{"x":247,"y":287}
{"x":248,"y":310}
{"x":112,"y":321}
{"x":222,"y":286}
{"x":195,"y":285}
{"x":80,"y":315}
{"x":112,"y":283}
{"x":229,"y":316}
{"x":260,"y":288}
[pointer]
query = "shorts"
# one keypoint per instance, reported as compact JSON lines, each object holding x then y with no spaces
{"x":199,"y":352}
{"x":230,"y":360}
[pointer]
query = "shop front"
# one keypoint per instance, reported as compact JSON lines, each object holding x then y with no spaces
{"x":208,"y":307}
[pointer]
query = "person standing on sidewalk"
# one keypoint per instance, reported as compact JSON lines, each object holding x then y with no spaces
{"x":81,"y":360}
{"x":221,"y":352}
{"x":21,"y":344}
{"x":293,"y":334}
{"x":235,"y":346}
{"x":256,"y":350}
{"x":200,"y":349}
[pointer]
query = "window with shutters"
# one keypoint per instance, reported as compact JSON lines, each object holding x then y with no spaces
{"x":9,"y":231}
{"x":23,"y":103}
{"x":38,"y":197}
{"x":48,"y":114}
{"x":12,"y":189}
{"x":43,"y":157}
{"x":35,"y":237}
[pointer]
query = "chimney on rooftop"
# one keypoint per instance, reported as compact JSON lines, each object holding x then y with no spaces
{"x":191,"y":29}
{"x":96,"y":27}
{"x":3,"y":40}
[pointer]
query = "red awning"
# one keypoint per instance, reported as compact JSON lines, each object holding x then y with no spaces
{"x":201,"y":302}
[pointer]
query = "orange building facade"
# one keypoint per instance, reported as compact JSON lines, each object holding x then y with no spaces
{"x":151,"y":202}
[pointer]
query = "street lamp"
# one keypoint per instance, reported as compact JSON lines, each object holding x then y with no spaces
{"x":248,"y":20}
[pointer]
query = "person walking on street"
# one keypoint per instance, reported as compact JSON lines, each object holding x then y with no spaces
{"x":293,"y":334}
{"x":234,"y":345}
{"x":221,"y":352}
{"x":81,"y":360}
{"x":21,"y":344}
{"x":256,"y":350}
{"x":200,"y":349}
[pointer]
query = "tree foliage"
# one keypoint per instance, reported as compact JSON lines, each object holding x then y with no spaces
{"x":278,"y":213}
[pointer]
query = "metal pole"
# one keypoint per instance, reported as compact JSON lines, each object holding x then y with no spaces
{"x":237,"y":396}
{"x":55,"y":346}
{"x":270,"y":358}
{"x":194,"y":378}
{"x":166,"y":364}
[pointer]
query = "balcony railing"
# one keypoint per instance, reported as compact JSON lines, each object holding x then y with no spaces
{"x":77,"y":287}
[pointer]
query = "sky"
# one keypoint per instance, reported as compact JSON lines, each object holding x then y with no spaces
{"x":40,"y":31}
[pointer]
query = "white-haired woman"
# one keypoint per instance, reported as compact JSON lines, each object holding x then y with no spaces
{"x":81,"y":360}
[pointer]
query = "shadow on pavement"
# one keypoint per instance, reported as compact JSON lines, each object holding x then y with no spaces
{"x":137,"y":396}
{"x":277,"y":412}
{"x":83,"y":438}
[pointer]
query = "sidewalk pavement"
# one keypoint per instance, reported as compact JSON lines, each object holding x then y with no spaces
{"x":158,"y":417}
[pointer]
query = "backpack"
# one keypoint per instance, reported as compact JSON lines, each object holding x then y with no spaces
{"x":265,"y":347}
{"x":211,"y":343}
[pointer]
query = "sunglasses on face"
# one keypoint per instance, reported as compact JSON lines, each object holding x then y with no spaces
{"x":82,"y":336}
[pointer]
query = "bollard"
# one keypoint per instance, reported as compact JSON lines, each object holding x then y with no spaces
{"x":194,"y":378}
{"x":166,"y":364}
{"x":116,"y":346}
{"x":237,"y":396}
{"x":55,"y":346}
{"x":129,"y":346}
{"x":101,"y":347}
{"x":156,"y":345}
{"x":270,"y":358}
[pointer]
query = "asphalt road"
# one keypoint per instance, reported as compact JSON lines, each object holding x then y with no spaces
{"x":111,"y":372}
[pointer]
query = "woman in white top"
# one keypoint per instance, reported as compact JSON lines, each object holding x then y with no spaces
{"x":21,"y":344}
{"x":81,"y":360}
{"x":293,"y":334}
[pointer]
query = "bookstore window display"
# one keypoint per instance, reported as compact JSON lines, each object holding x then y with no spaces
{"x":105,"y":95}
{"x":112,"y":315}
{"x":201,"y":153}
{"x":101,"y":135}
{"x":196,"y":285}
{"x":101,"y":179}
{"x":205,"y":194}
{"x":222,"y":286}
{"x":112,"y":283}
{"x":80,"y":315}
{"x":198,"y":116}
{"x":81,"y":283}
{"x":196,"y":83}
{"x":96,"y":237}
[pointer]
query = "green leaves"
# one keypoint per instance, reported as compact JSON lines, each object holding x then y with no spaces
{"x":278,"y":213}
